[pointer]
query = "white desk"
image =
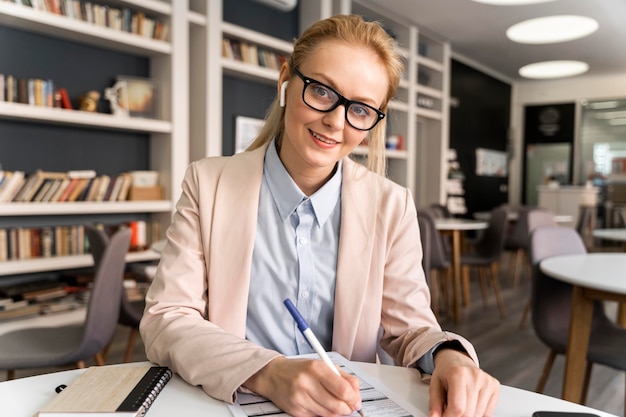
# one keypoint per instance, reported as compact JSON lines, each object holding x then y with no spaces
{"x":595,"y":276}
{"x":24,"y":397}
{"x":513,"y":215}
{"x":611,"y":234}
{"x":456,"y":227}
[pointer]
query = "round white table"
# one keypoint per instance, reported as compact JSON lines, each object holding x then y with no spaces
{"x":595,"y":276}
{"x":24,"y":397}
{"x":456,"y":227}
{"x":611,"y":234}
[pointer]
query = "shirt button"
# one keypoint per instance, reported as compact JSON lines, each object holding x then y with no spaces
{"x":305,"y":294}
{"x":302,"y":240}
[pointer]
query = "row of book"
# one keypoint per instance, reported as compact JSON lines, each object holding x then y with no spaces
{"x":51,"y":295}
{"x":48,"y":187}
{"x":251,"y":54}
{"x":122,"y":19}
{"x":19,"y":243}
{"x":33,"y":91}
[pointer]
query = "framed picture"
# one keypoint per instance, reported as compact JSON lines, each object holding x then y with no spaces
{"x":246,"y":130}
{"x":134,"y":97}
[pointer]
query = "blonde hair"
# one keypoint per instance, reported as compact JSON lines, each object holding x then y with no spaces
{"x":356,"y":31}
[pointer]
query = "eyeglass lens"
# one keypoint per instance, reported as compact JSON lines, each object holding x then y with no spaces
{"x":323,"y":98}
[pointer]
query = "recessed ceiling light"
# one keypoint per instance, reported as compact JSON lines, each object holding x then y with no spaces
{"x":511,"y":2}
{"x":553,"y":69}
{"x":551,"y":29}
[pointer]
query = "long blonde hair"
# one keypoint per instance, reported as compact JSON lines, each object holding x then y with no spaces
{"x":356,"y":31}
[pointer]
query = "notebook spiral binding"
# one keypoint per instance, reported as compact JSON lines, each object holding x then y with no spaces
{"x":146,"y":391}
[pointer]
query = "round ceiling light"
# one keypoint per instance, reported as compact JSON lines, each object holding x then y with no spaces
{"x":511,"y":2}
{"x":553,"y":69}
{"x":552,"y":29}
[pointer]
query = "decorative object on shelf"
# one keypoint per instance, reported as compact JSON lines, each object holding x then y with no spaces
{"x":394,"y":142}
{"x":89,"y":102}
{"x":134,"y":97}
{"x":246,"y":130}
{"x":425,"y":102}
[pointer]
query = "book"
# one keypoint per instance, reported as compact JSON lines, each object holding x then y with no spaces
{"x":114,"y":391}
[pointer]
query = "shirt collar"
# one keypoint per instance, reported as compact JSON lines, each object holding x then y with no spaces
{"x":286,"y":194}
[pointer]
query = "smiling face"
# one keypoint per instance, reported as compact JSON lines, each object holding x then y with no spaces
{"x":314,"y":141}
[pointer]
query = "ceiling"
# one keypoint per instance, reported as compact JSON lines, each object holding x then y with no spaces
{"x":476,"y":32}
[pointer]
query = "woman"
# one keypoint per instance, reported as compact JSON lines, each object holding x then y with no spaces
{"x":294,"y":217}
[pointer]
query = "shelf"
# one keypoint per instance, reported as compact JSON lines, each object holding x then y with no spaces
{"x":427,"y":113}
{"x":79,"y":208}
{"x":25,"y":112}
{"x":249,"y":71}
{"x":430,"y":63}
{"x":27,"y":18}
{"x":65,"y":262}
{"x":257,"y":38}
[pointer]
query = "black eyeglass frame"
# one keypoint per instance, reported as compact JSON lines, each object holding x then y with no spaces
{"x":341,"y":101}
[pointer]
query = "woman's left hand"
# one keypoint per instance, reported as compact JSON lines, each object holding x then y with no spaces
{"x":459,"y":388}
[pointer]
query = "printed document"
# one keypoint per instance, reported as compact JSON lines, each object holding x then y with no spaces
{"x":376,"y":399}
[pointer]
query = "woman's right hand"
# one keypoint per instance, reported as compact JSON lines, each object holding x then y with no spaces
{"x":306,"y":388}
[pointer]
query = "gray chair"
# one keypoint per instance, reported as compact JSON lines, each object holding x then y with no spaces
{"x":130,"y":311}
{"x":42,"y":347}
{"x":537,"y":217}
{"x":552,"y":302}
{"x":517,"y":242}
{"x":439,"y":262}
{"x":486,"y":258}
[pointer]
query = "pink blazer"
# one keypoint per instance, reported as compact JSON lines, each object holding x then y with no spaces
{"x":195,"y":317}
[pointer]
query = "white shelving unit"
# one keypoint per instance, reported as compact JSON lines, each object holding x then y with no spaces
{"x":421,"y":164}
{"x":169,"y":64}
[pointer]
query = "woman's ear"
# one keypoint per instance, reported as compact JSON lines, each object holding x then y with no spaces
{"x":281,"y":99}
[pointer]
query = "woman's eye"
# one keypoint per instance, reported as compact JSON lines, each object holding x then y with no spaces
{"x":360,"y":110}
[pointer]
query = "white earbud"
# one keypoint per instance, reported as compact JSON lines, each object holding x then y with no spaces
{"x":283,"y":87}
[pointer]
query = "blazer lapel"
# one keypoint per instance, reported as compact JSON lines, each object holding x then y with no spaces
{"x":232,"y":239}
{"x":356,"y":244}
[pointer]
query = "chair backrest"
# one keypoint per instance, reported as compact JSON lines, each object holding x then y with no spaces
{"x":426,"y":240}
{"x":584,"y":219}
{"x":106,"y":294}
{"x":519,"y":236}
{"x":439,"y":210}
{"x":550,"y":298}
{"x":98,"y":240}
{"x":539,"y":217}
{"x":438,"y":254}
{"x":491,"y":243}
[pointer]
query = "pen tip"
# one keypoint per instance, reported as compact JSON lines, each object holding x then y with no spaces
{"x":361,"y":413}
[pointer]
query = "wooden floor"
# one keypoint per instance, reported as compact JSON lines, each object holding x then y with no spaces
{"x":514,"y":356}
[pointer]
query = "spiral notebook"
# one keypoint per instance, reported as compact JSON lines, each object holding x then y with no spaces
{"x":115,"y":391}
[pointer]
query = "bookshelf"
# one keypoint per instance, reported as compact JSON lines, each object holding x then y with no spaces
{"x":420,"y":110}
{"x":163,"y":142}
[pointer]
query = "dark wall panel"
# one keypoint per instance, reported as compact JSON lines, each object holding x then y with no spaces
{"x":479,"y":118}
{"x":79,"y":68}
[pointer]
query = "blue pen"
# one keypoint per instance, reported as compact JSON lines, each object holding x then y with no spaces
{"x":310,"y":337}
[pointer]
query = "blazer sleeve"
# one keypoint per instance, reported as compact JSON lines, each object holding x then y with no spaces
{"x":176,"y":328}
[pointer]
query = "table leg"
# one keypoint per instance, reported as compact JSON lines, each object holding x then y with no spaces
{"x":456,"y":274}
{"x":577,"y":345}
{"x":621,"y":314}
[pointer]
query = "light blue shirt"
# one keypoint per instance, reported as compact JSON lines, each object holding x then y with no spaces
{"x":295,"y":256}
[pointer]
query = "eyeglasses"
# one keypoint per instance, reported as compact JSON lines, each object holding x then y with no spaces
{"x":321,"y":97}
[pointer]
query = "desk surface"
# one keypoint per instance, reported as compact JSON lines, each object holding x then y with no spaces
{"x":24,"y":397}
{"x":514,"y":215}
{"x":600,"y":271}
{"x":611,"y":234}
{"x":452,"y":223}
